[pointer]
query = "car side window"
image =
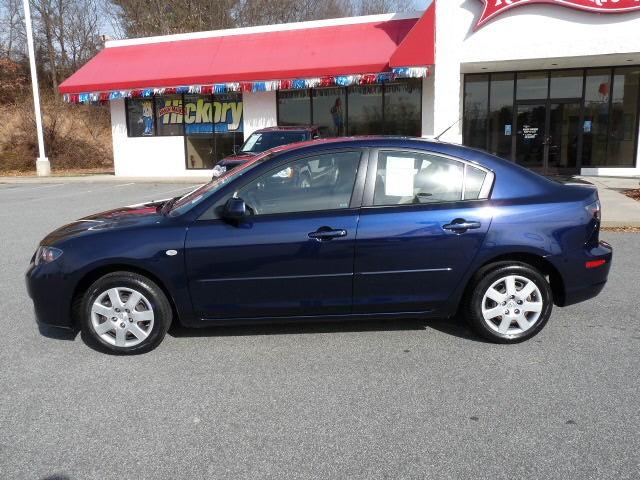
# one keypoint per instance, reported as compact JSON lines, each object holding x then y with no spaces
{"x":320,"y":182}
{"x":405,"y":178}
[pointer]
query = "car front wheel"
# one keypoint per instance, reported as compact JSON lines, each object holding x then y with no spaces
{"x":125,"y":313}
{"x":509,"y":302}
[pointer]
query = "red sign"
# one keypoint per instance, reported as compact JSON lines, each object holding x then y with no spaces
{"x":493,"y":8}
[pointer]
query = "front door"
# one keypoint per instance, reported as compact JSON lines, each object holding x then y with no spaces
{"x":293,"y":256}
{"x":422,"y":223}
{"x":531,"y":135}
{"x":547,"y":135}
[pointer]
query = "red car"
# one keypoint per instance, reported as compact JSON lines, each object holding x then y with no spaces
{"x":262,"y":140}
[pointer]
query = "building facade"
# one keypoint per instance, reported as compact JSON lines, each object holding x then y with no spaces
{"x":552,"y":88}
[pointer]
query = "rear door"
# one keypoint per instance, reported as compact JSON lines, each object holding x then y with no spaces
{"x":423,"y":220}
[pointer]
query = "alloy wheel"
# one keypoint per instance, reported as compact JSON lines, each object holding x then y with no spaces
{"x":122,"y":317}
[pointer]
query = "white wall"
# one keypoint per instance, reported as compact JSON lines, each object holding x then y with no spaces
{"x":260,"y":111}
{"x":524,"y":38}
{"x":164,"y":156}
{"x":146,"y":156}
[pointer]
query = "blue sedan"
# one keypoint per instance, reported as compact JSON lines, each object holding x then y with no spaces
{"x":339,"y":229}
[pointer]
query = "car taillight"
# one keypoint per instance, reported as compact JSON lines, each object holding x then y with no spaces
{"x":595,"y":263}
{"x":594,"y":210}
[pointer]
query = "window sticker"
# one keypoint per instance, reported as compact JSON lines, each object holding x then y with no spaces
{"x":399,"y":177}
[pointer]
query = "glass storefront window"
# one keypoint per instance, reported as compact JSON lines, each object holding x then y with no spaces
{"x":596,"y":117}
{"x":329,"y":111}
{"x":140,"y":118}
{"x":476,"y":106}
{"x":200,"y":145}
{"x":402,"y":108}
{"x":532,"y":85}
{"x":624,"y":125}
{"x":169,"y":115}
{"x":213,"y":128}
{"x":365,"y":110}
{"x":555,"y":130}
{"x":566,"y":84}
{"x":501,"y":114}
{"x":294,"y":107}
{"x":392,"y":109}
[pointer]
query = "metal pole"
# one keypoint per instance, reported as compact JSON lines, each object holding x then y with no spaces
{"x":43,"y":167}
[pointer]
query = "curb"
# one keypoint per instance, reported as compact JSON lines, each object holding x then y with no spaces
{"x":100,"y":179}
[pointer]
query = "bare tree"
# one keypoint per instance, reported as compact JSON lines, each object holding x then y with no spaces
{"x":139,"y":18}
{"x":371,"y":7}
{"x":66,"y":34}
{"x":12,"y":37}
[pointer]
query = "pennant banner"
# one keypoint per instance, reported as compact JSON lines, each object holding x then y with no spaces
{"x":493,"y":8}
{"x":259,"y":86}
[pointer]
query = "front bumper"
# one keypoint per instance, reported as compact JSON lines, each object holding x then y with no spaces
{"x":51,"y":295}
{"x":582,"y":283}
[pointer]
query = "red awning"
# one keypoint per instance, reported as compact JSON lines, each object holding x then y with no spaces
{"x":285,"y":54}
{"x":417,"y":47}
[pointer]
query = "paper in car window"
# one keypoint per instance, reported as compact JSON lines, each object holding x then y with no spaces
{"x":400,"y":175}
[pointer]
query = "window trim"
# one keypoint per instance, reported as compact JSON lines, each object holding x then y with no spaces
{"x":372,"y":171}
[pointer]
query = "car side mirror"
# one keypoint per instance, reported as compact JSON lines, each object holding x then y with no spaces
{"x":234,"y":209}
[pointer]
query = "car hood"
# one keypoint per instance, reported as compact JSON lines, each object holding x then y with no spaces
{"x":124,"y":217}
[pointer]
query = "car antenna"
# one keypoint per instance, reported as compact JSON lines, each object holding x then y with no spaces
{"x":447,"y":129}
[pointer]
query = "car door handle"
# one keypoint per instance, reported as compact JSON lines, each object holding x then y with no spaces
{"x":460,"y":225}
{"x":327,"y":233}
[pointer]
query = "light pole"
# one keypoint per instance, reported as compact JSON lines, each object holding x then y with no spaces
{"x":43,"y":167}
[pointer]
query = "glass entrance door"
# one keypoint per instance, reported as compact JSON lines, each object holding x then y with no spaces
{"x":547,"y":136}
{"x":563,"y":136}
{"x":530,"y":135}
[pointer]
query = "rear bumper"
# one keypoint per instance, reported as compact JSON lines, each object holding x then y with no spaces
{"x":582,"y":283}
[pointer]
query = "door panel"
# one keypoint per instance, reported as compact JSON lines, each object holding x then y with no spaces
{"x":406,"y":261}
{"x":271,"y":267}
{"x":412,"y":249}
{"x":294,"y":255}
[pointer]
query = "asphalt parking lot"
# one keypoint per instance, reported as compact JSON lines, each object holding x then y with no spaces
{"x":399,"y":399}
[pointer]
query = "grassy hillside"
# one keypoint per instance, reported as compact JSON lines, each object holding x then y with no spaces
{"x":77,"y":137}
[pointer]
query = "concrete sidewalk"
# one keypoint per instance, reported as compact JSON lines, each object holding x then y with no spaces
{"x":618,"y":210}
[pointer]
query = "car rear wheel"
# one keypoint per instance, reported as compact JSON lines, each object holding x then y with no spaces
{"x":509,"y":302}
{"x":125,"y":313}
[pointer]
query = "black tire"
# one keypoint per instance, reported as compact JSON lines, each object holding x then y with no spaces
{"x":483,"y":280}
{"x":161,"y":308}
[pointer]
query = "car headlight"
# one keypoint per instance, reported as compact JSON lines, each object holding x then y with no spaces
{"x":219,"y":170}
{"x":46,"y":254}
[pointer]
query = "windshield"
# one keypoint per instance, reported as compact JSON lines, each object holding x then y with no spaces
{"x":195,"y":197}
{"x":259,"y":142}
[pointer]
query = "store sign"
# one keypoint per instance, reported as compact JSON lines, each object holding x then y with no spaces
{"x":203,"y":116}
{"x":494,"y":8}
